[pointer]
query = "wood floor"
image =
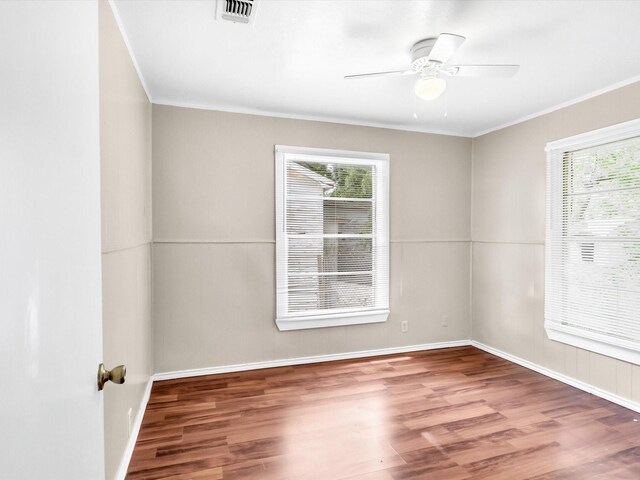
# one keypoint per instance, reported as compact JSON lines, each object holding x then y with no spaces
{"x":449,"y":414}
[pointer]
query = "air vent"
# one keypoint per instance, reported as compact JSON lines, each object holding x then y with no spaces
{"x":240,"y":11}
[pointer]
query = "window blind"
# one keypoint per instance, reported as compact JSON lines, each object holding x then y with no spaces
{"x":332,"y":252}
{"x":592,"y":283}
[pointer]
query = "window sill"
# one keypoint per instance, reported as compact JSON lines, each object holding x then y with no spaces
{"x":335,"y":320}
{"x":594,"y":342}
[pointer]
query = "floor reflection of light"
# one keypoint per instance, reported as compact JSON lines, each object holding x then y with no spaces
{"x":392,"y":360}
{"x":335,"y":437}
{"x":433,"y":441}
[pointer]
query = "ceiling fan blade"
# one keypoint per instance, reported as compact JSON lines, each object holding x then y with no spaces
{"x":445,"y":46}
{"x":380,"y":74}
{"x":481,"y":70}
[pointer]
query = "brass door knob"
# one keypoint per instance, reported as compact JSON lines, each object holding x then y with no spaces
{"x":115,"y":375}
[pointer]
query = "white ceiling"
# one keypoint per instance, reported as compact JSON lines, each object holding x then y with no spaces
{"x":292,"y":60}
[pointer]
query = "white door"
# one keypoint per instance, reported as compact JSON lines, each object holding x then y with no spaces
{"x":50,"y":296}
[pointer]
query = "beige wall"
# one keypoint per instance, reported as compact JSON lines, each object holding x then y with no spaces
{"x":508,"y":231}
{"x":214,"y":234}
{"x":125,"y":146}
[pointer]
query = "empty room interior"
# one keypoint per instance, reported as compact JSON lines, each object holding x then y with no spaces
{"x":320,"y":239}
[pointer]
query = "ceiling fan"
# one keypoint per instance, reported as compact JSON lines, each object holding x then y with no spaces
{"x":429,"y":60}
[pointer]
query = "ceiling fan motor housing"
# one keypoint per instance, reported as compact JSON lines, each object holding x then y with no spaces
{"x":420,"y":54}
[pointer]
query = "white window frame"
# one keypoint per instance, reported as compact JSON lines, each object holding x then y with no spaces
{"x":628,"y":351}
{"x":380,"y":313}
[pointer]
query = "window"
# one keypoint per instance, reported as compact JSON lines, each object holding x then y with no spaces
{"x":332,"y":237}
{"x":592,"y":280}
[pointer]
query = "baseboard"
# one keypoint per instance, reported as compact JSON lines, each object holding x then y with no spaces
{"x":598,"y":392}
{"x":128,"y":451}
{"x":240,"y":367}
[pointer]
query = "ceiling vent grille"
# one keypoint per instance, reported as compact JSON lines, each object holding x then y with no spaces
{"x":241,"y":11}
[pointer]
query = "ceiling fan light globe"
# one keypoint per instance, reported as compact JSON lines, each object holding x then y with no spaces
{"x":430,"y":88}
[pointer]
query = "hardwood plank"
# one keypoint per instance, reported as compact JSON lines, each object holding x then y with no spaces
{"x":454,"y":414}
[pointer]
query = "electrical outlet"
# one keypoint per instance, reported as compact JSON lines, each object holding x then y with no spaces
{"x":445,"y":320}
{"x":404,"y":326}
{"x":129,"y":419}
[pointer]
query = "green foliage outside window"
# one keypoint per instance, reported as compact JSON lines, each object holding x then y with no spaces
{"x":350,"y":181}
